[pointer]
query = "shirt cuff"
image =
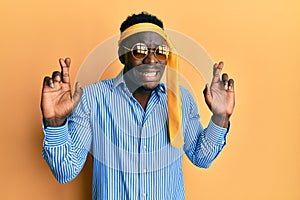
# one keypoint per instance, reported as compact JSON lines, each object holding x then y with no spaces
{"x":216,"y":134}
{"x":56,"y":135}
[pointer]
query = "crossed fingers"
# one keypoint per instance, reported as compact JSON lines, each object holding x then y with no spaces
{"x":228,"y":84}
{"x":59,"y":77}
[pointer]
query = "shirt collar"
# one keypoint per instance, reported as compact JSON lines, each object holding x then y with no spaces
{"x":118,"y":80}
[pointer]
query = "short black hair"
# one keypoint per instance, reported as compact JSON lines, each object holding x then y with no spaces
{"x":141,"y":18}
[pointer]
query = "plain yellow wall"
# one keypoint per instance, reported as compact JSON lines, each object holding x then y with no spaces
{"x":258,"y":41}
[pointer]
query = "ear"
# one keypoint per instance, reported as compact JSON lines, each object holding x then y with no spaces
{"x":122,"y":59}
{"x":121,"y":55}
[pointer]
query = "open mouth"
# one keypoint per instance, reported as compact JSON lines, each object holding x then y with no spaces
{"x":149,"y":72}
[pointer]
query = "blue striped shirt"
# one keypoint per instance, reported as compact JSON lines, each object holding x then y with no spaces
{"x":132,"y":155}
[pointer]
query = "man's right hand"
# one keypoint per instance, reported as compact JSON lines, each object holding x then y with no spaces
{"x":57,"y":101}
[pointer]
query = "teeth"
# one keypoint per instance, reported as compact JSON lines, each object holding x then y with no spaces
{"x":149,"y":73}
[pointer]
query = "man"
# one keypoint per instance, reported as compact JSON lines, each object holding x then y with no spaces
{"x":131,"y":124}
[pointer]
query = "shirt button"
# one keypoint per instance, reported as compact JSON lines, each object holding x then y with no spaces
{"x":46,"y":142}
{"x":145,"y":147}
{"x":144,"y":194}
{"x":145,"y":170}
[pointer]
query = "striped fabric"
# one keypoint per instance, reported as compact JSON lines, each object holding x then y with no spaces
{"x":132,"y":155}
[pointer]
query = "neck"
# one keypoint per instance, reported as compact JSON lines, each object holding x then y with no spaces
{"x":142,"y":96}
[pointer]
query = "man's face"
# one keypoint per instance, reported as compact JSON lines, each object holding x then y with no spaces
{"x":144,"y":72}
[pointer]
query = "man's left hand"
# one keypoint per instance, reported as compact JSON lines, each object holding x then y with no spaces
{"x":219,"y":97}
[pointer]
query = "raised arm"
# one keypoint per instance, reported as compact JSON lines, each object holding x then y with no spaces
{"x":66,"y":140}
{"x":202,"y":146}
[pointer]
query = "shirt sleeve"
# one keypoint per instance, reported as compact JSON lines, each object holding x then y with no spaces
{"x":65,"y":148}
{"x":201,"y":146}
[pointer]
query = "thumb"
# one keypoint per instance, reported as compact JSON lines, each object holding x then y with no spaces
{"x":77,"y":94}
{"x":207,"y":96}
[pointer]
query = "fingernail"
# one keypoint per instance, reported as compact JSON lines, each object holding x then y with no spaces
{"x":79,"y":85}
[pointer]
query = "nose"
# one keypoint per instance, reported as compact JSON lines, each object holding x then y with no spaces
{"x":151,"y":58}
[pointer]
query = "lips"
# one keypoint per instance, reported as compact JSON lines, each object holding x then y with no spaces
{"x":149,"y":73}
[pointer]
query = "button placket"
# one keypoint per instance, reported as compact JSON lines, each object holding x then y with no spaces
{"x":143,"y":170}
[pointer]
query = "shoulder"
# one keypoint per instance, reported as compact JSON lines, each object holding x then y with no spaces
{"x":188,"y":102}
{"x":98,"y":88}
{"x":185,"y":94}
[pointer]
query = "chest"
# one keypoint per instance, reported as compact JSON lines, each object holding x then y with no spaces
{"x":123,"y":122}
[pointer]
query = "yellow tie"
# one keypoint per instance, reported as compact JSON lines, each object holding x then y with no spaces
{"x":173,"y":89}
{"x":174,"y":102}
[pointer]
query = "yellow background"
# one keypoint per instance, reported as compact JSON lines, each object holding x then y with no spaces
{"x":258,"y":41}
